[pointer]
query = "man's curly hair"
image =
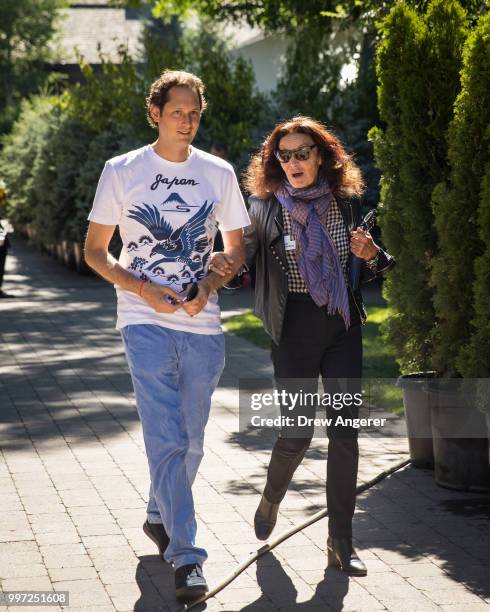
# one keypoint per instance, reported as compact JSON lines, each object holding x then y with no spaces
{"x":159,"y":89}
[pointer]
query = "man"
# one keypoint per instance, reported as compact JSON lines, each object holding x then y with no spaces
{"x":168,"y":199}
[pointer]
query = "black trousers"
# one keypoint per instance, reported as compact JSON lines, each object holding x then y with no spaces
{"x":314,"y":343}
{"x":3,"y":257}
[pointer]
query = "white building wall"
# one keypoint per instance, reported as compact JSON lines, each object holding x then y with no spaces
{"x":267,"y":54}
{"x":267,"y":58}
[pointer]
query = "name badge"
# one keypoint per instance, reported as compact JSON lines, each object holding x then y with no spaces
{"x":289,"y":243}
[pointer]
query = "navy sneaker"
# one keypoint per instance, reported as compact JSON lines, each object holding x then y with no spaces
{"x":190,"y":582}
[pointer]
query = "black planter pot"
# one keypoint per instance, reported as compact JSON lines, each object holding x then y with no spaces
{"x":418,"y":417}
{"x":460,"y":438}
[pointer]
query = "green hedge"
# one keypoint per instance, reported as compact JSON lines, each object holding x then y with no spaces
{"x":54,"y":181}
{"x":22,"y":154}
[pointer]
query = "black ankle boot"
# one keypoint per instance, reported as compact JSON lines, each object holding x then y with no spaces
{"x":341,"y":554}
{"x":265,"y":519}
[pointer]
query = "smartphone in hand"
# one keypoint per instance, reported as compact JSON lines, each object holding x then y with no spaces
{"x":369,"y":221}
{"x":192,"y":293}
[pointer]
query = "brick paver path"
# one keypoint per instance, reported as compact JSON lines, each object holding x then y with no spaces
{"x":73,"y":482}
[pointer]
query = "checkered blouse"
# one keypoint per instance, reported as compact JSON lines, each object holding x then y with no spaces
{"x":340,"y":237}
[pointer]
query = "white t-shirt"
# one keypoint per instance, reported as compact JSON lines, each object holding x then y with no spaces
{"x":168,"y":214}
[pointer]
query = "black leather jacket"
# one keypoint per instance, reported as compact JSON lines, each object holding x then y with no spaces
{"x":264,"y":245}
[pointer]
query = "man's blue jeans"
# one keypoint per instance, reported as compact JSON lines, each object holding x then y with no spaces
{"x":174,"y":374}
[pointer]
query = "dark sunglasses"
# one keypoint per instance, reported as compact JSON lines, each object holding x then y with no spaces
{"x":301,"y":154}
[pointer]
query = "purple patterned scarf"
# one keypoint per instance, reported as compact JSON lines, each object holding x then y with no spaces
{"x":316,"y":254}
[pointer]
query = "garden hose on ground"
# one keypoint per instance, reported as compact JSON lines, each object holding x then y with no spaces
{"x":287,"y":534}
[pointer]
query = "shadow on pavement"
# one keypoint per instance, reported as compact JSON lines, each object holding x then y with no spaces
{"x":405,"y":518}
{"x":278,"y":588}
{"x":155,"y":580}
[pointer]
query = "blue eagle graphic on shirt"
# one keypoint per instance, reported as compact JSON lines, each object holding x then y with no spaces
{"x":183,"y":245}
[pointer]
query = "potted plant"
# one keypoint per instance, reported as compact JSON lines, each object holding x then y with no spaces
{"x":418,"y":417}
{"x":460,"y":434}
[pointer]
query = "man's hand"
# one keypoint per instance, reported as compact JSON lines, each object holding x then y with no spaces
{"x":99,"y":259}
{"x":161,"y":298}
{"x":195,"y":306}
{"x":363,"y":245}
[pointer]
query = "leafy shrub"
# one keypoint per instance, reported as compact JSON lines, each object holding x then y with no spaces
{"x":112,"y":95}
{"x":54,"y":179}
{"x":22,"y":153}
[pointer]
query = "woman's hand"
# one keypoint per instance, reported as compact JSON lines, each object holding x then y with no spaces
{"x":363,"y":245}
{"x":221,"y":264}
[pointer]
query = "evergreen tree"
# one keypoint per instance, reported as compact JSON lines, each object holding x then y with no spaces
{"x":474,"y":358}
{"x":461,"y":271}
{"x":418,"y":65}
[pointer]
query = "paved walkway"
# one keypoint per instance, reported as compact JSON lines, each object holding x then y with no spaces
{"x":73,"y":481}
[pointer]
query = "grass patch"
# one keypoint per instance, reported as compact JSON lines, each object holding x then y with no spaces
{"x":379,"y":362}
{"x":379,"y":358}
{"x":249,"y":327}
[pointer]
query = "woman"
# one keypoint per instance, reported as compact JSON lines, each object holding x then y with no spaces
{"x":304,"y":232}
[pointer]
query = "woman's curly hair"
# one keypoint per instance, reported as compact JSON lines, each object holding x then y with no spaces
{"x":264,"y":174}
